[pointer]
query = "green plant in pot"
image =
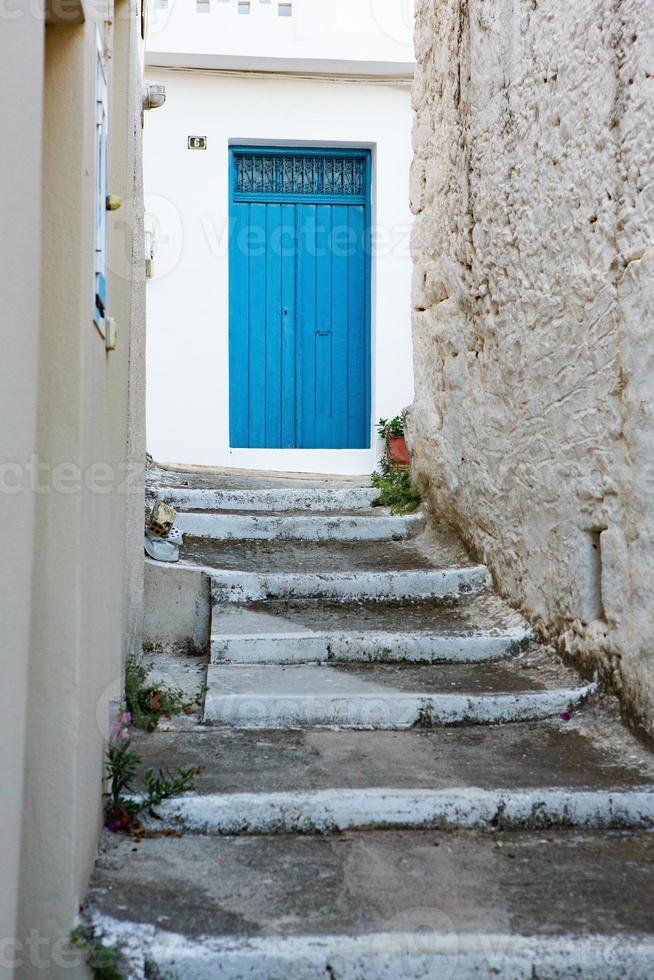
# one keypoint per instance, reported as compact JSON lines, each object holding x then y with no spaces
{"x":392,"y":431}
{"x":393,"y":478}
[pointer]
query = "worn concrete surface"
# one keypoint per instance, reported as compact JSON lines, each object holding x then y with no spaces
{"x":319,"y":631}
{"x":530,"y":671}
{"x":184,"y":670}
{"x":177,"y":607}
{"x":378,"y":586}
{"x":212,"y":478}
{"x":515,"y":882}
{"x":397,"y":695}
{"x":263,"y":697}
{"x":551,"y":753}
{"x":481,"y":613}
{"x":304,"y":648}
{"x":274,"y":500}
{"x":379,"y":956}
{"x":329,"y":556}
{"x":532,"y":429}
{"x":334,"y":811}
{"x":294,"y":526}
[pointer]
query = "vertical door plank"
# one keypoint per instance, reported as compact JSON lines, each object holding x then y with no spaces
{"x":273,"y":327}
{"x":238,"y":327}
{"x":289,"y":328}
{"x":323,"y":332}
{"x":306,"y":407}
{"x":257,"y":249}
{"x":341,"y":258}
{"x":356,"y":396}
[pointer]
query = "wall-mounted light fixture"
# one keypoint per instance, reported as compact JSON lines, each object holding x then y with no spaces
{"x":154,"y":96}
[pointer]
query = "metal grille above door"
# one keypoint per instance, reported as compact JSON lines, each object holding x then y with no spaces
{"x":299,"y":337}
{"x":300,"y":174}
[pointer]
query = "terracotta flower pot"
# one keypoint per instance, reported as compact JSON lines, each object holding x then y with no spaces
{"x":398,"y":452}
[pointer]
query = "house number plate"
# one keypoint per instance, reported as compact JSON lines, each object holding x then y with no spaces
{"x":197,"y":142}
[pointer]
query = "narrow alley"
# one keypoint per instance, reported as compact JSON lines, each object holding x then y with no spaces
{"x":327,"y":487}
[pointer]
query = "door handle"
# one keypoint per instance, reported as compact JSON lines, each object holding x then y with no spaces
{"x":323,"y":333}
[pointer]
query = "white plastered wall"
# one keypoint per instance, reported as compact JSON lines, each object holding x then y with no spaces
{"x":371,"y":37}
{"x":187,"y":210}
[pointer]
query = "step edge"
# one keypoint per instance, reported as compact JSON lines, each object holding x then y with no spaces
{"x":365,"y":647}
{"x":404,"y":710}
{"x":512,"y":633}
{"x":267,"y":499}
{"x":381,"y":517}
{"x":307,"y":955}
{"x":301,"y":528}
{"x":336,"y":809}
{"x":243,"y":586}
{"x":229,"y":577}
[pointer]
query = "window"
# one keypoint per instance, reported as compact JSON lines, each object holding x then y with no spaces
{"x":100,"y":223}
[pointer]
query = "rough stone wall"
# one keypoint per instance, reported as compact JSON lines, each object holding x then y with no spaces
{"x":532,"y":428}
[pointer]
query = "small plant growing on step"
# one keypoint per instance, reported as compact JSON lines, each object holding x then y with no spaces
{"x":396,"y":491}
{"x":147,"y":702}
{"x":123,"y":804}
{"x":103,"y":961}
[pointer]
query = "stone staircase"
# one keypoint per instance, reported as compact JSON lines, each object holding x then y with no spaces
{"x":396,"y":779}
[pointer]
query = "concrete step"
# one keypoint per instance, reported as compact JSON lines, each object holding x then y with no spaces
{"x":391,"y":904}
{"x":250,"y":571}
{"x":236,"y":586}
{"x":232,"y":478}
{"x":339,"y":810}
{"x":587,"y":753}
{"x":467,"y":631}
{"x":372,"y":526}
{"x":376,"y":696}
{"x":379,"y":647}
{"x":320,"y":498}
{"x":321,"y":557}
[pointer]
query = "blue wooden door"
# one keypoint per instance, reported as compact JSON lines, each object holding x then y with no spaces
{"x":299,"y":299}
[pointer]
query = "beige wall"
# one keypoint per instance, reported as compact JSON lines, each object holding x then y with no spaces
{"x":533,"y":423}
{"x":75,"y":540}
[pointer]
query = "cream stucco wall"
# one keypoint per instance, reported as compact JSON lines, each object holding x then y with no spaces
{"x":21,"y":58}
{"x":533,"y":422}
{"x":187,"y":203}
{"x":72,"y":413}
